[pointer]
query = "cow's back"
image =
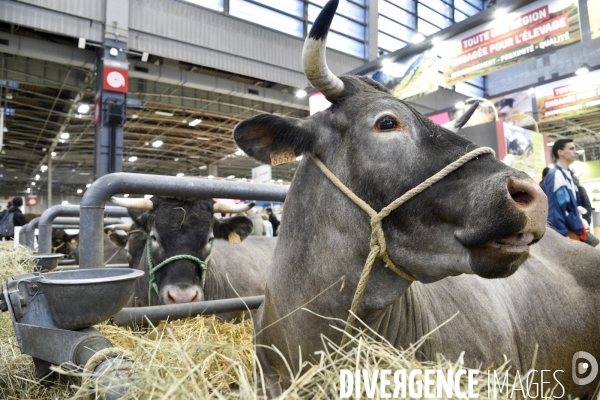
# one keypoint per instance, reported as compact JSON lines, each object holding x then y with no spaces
{"x":239,"y":270}
{"x":551,"y":299}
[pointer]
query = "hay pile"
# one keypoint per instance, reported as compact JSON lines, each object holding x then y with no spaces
{"x":200,"y":358}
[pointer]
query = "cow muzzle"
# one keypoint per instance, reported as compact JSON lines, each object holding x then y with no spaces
{"x":528,"y":199}
{"x":176,"y":295}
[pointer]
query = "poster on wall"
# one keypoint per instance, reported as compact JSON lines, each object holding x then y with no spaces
{"x":409,"y":77}
{"x":593,"y":7}
{"x":525,"y":150}
{"x":568,"y":97}
{"x":525,"y":33}
{"x":514,"y":109}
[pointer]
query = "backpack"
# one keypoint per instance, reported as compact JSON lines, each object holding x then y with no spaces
{"x":7,"y":226}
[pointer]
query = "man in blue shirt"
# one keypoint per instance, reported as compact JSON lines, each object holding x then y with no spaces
{"x":562,"y":192}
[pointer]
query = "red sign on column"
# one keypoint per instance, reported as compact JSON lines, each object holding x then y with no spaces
{"x":116,"y":80}
{"x":31,"y":201}
{"x":97,"y":111}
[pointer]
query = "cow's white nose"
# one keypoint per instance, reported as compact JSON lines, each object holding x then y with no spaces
{"x":529,"y":199}
{"x":177,"y":296}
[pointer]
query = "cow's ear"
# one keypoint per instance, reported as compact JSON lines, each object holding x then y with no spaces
{"x":118,"y":240}
{"x":266,"y":136}
{"x":233,"y":229}
{"x":140,"y":217}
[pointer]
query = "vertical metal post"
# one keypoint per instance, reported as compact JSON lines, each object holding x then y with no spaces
{"x":49,"y":180}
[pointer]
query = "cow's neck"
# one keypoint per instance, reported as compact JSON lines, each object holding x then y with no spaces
{"x":322,"y":250}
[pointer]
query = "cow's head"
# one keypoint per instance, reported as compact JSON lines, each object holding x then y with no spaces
{"x":183,"y":226}
{"x":479,"y":219}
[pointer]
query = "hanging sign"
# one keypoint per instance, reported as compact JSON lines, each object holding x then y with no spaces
{"x":115,"y":79}
{"x":593,"y":8}
{"x":410,"y":77}
{"x":31,"y":201}
{"x":568,"y":97}
{"x":525,"y":33}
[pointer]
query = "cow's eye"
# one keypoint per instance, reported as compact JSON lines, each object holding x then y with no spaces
{"x":386,"y":123}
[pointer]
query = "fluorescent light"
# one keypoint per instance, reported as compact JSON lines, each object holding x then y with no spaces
{"x":202,"y":167}
{"x":157,"y":143}
{"x":81,"y":43}
{"x":53,"y":154}
{"x":164,"y":113}
{"x":83,"y":108}
{"x":145,"y":56}
{"x":64,"y":135}
{"x":79,"y":191}
{"x":583,"y":70}
{"x":43,"y":168}
{"x":132,"y":159}
{"x":16,"y":142}
{"x":37,"y":177}
{"x":301,"y":93}
{"x":460,"y":105}
{"x":231,"y":177}
{"x":179,"y":175}
{"x":32,"y":183}
{"x":195,"y":122}
{"x":417,"y":38}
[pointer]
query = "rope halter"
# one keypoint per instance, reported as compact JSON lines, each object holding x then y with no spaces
{"x":378,"y":245}
{"x":203,"y":265}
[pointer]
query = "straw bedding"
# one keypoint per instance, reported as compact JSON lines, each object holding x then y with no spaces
{"x":196,"y":358}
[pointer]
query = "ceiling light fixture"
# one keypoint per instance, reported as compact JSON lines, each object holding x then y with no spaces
{"x":301,"y":93}
{"x":583,"y":70}
{"x":83,"y":108}
{"x":157,"y":143}
{"x":132,"y":159}
{"x":88,"y":185}
{"x":79,"y":191}
{"x":53,"y":154}
{"x":145,"y":56}
{"x":81,"y":43}
{"x":164,"y":113}
{"x":64,"y":135}
{"x":195,"y":122}
{"x":37,"y":177}
{"x":113,"y":51}
{"x":202,"y":167}
{"x":43,"y":168}
{"x":417,"y":38}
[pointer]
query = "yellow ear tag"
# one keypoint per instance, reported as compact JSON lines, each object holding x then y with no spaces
{"x":283,"y":157}
{"x":234,"y":238}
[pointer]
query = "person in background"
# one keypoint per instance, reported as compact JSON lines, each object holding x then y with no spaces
{"x":274,"y":221}
{"x":268,"y":226}
{"x":544,"y":173}
{"x":18,"y":217}
{"x":257,"y":223}
{"x":562,"y":193}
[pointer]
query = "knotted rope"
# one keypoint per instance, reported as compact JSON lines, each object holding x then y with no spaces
{"x":378,"y":245}
{"x":203,"y":265}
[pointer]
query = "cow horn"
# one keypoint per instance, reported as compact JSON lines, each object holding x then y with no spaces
{"x":313,"y":55}
{"x":118,"y":227}
{"x":232,"y":208}
{"x":142,"y":204}
{"x":459,"y":122}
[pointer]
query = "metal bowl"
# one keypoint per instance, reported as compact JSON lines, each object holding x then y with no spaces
{"x":85,"y":297}
{"x":47,"y":261}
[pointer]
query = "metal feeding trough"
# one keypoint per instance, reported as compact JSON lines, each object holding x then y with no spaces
{"x":53,"y":314}
{"x":48,"y":261}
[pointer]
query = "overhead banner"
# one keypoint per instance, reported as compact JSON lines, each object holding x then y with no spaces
{"x":409,"y":77}
{"x":568,"y":97}
{"x":528,"y":32}
{"x":593,"y":7}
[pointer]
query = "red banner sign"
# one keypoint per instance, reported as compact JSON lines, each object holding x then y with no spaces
{"x":116,"y":80}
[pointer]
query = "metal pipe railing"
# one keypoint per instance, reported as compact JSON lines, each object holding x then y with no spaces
{"x":154,"y":314}
{"x":96,"y":196}
{"x":48,"y":217}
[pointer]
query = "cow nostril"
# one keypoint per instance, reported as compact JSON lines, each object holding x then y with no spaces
{"x":521,"y":197}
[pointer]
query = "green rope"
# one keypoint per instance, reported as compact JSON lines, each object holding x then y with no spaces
{"x":152,"y":270}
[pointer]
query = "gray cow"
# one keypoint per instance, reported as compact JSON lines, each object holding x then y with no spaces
{"x":174,"y":227}
{"x":484,"y":220}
